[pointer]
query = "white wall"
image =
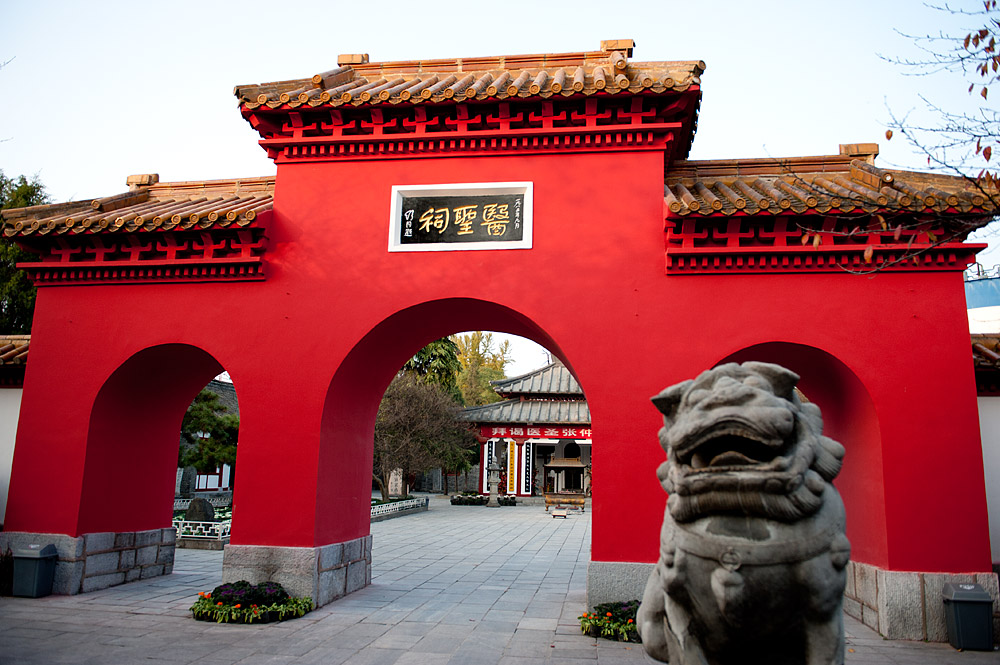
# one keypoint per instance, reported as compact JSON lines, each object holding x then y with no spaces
{"x":989,"y":430}
{"x":10,"y":407}
{"x":984,"y":320}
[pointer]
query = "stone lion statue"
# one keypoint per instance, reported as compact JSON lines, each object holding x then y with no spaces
{"x":753,"y":547}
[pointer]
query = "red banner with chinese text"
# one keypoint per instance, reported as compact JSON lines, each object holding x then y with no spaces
{"x":492,"y":432}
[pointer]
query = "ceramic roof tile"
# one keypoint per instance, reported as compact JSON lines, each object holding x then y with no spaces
{"x":553,"y":379}
{"x":530,"y":411}
{"x":359,"y":82}
{"x":226,"y":393}
{"x":148,"y":207}
{"x":14,"y":349}
{"x":840,"y":183}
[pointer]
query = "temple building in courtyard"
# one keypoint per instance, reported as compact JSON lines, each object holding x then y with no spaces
{"x":539,"y":434}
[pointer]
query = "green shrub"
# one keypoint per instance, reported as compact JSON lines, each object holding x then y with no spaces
{"x":242,"y":602}
{"x":612,"y":621}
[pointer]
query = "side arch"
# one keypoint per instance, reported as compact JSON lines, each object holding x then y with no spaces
{"x":348,"y":421}
{"x":133,"y":438}
{"x":849,"y":416}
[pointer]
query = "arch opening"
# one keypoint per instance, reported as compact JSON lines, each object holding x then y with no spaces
{"x":849,"y":417}
{"x":132,"y":438}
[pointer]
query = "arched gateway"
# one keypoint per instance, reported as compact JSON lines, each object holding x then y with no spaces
{"x":545,"y":196}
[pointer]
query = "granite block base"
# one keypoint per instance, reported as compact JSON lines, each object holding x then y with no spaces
{"x":321,"y":573}
{"x":96,"y":561}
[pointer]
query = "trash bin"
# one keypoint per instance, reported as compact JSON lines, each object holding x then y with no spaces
{"x":34,"y":570}
{"x":968,"y":611}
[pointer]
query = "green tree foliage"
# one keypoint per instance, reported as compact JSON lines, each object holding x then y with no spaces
{"x":438,"y":363}
{"x":482,"y":361}
{"x":416,"y":430}
{"x":211,"y":434}
{"x":17,"y":293}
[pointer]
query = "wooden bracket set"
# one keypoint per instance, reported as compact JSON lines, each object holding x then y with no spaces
{"x":551,"y":125}
{"x":230,"y":254}
{"x":725,"y":245}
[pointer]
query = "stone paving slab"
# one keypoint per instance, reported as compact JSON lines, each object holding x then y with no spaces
{"x":466,"y":585}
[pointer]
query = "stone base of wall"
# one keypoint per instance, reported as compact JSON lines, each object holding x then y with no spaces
{"x":321,"y":573}
{"x":610,"y":581}
{"x":100,"y":560}
{"x":201,"y":543}
{"x":897,"y":605}
{"x":905,"y":605}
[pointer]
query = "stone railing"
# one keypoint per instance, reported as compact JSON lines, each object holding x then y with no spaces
{"x":203,"y":530}
{"x":385,"y":509}
{"x":220,"y":530}
{"x":216,"y":501}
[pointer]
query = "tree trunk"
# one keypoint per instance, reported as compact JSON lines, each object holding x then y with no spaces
{"x":383,"y":486}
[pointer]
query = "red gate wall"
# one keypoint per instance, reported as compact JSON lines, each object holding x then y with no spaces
{"x":312,"y":348}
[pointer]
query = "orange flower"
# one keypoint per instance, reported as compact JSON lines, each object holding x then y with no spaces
{"x":629,"y":621}
{"x":219,"y":603}
{"x":609,"y":613}
{"x":208,"y":595}
{"x":237,"y":606}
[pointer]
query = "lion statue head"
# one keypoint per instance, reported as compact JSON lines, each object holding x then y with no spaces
{"x":740,"y":440}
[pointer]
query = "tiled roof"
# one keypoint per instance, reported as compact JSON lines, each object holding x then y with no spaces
{"x":13,"y":357}
{"x":14,"y":349}
{"x":359,"y":82}
{"x":226,"y":393}
{"x":986,"y":360}
{"x":148,"y":206}
{"x":986,"y":351}
{"x":840,"y":183}
{"x":530,"y":411}
{"x":552,"y":380}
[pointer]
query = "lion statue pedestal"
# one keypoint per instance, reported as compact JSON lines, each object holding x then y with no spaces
{"x":753,"y":547}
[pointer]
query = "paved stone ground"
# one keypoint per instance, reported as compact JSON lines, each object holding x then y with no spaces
{"x":466,"y":585}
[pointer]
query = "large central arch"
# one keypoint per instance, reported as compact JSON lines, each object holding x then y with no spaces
{"x":357,"y":387}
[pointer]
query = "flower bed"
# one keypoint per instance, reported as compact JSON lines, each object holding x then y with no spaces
{"x":480,"y":500}
{"x":242,"y":602}
{"x":612,"y":621}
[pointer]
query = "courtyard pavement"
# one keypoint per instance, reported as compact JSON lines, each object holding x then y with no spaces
{"x":466,"y":585}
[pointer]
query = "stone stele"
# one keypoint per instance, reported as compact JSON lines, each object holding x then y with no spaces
{"x":753,"y":547}
{"x":200,"y":510}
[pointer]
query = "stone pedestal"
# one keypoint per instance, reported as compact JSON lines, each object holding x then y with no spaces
{"x":96,"y":561}
{"x":321,"y":573}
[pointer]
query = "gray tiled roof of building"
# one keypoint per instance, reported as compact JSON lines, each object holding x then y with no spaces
{"x":533,"y":411}
{"x":552,"y":380}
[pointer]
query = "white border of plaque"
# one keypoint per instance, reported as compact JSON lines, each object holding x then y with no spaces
{"x":486,"y":223}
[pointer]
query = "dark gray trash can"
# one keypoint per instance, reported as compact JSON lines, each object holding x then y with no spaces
{"x":34,"y":570}
{"x":968,"y":610}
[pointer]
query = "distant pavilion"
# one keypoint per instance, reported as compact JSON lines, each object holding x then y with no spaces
{"x":540,"y":434}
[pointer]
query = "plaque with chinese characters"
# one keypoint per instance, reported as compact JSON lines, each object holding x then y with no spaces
{"x":466,"y":216}
{"x":461,"y":219}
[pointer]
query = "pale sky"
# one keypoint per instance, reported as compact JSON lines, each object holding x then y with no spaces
{"x":96,"y":91}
